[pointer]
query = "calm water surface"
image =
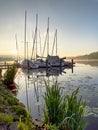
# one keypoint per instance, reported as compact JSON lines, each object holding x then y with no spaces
{"x":84,"y":75}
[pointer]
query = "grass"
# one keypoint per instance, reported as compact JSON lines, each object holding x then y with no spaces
{"x":63,"y":112}
{"x":55,"y":105}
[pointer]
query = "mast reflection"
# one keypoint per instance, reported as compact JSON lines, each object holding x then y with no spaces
{"x":35,"y":79}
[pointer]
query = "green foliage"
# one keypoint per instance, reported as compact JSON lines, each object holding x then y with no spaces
{"x":0,"y":72}
{"x":10,"y":75}
{"x":63,"y":111}
{"x":50,"y":127}
{"x":75,"y":110}
{"x":27,"y":125}
{"x":55,"y":105}
{"x":11,"y":110}
{"x":8,"y":98}
{"x":7,"y":118}
{"x":19,"y":110}
{"x":12,"y":101}
{"x":22,"y":125}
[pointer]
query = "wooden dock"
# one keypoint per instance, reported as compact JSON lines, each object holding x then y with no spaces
{"x":5,"y":65}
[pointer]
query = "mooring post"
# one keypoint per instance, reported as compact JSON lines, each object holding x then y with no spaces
{"x":60,"y":63}
{"x":72,"y":62}
{"x":28,"y":64}
{"x":46,"y":63}
{"x":72,"y":65}
{"x":5,"y":64}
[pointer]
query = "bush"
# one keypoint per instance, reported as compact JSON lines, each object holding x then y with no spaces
{"x":10,"y":75}
{"x":7,"y":118}
{"x":0,"y":72}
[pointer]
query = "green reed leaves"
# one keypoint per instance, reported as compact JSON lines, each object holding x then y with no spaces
{"x":63,"y":111}
{"x":55,"y":108}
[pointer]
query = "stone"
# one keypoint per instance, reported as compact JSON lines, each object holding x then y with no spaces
{"x":3,"y":126}
{"x":13,"y":126}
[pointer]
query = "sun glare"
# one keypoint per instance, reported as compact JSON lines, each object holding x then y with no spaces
{"x":14,"y":52}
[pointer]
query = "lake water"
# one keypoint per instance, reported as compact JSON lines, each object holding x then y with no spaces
{"x":31,"y":87}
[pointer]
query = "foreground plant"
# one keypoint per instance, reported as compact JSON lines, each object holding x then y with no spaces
{"x":10,"y":75}
{"x":55,"y":105}
{"x":63,"y":111}
{"x":0,"y":72}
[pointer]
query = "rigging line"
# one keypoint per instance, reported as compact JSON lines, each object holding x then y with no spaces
{"x":35,"y":38}
{"x":46,"y":40}
{"x":44,"y":45}
{"x":54,"y":42}
{"x":53,"y":45}
{"x":33,"y":46}
{"x":40,"y":44}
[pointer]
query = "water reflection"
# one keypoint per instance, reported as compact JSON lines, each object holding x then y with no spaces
{"x":32,"y":87}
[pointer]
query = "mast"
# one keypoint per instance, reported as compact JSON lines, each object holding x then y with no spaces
{"x":25,"y":36}
{"x":48,"y":38}
{"x":56,"y":41}
{"x":36,"y":32}
{"x":18,"y":59}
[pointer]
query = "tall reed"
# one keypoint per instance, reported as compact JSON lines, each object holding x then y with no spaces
{"x":63,"y":111}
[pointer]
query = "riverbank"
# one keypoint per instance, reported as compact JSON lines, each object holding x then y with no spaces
{"x":13,"y":114}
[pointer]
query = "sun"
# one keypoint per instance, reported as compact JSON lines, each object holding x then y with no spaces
{"x":14,"y":52}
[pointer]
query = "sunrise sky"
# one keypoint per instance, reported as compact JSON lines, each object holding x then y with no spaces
{"x":75,"y":20}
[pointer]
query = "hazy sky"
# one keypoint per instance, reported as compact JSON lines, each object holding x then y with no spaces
{"x":75,"y":20}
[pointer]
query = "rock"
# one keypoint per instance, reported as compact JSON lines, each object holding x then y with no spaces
{"x":3,"y":126}
{"x":13,"y":126}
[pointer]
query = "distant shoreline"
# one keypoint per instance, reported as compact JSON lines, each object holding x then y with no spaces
{"x":86,"y":60}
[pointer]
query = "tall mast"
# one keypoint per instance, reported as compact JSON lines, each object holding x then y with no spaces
{"x":17,"y":48}
{"x":36,"y":32}
{"x":25,"y":35}
{"x":48,"y":38}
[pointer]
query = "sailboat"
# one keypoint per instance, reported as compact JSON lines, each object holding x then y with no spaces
{"x":37,"y":60}
{"x":27,"y":63}
{"x":55,"y":60}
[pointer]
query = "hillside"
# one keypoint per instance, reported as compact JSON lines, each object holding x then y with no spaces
{"x":93,"y":55}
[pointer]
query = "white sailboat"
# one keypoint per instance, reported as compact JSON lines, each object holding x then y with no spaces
{"x":55,"y":60}
{"x":26,"y":63}
{"x":37,"y":60}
